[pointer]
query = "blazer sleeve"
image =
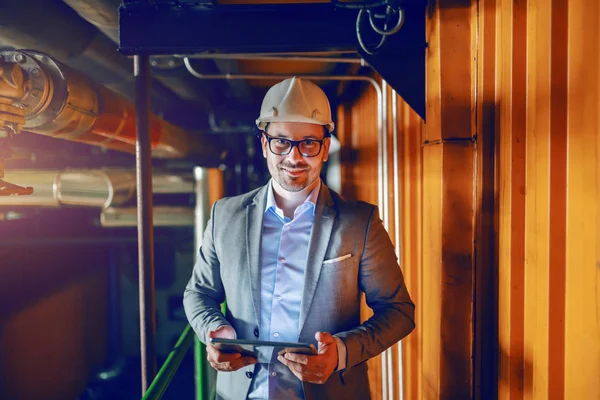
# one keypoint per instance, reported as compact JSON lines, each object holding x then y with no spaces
{"x":204,"y":292}
{"x":381,"y":279}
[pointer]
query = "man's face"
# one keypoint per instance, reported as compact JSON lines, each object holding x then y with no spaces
{"x":294,"y":172}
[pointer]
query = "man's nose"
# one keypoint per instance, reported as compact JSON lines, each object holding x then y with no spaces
{"x":294,"y":154}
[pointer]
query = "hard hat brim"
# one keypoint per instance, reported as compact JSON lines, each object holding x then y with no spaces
{"x":262,"y":122}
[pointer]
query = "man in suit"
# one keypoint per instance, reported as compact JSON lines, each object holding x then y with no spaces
{"x":292,"y":259}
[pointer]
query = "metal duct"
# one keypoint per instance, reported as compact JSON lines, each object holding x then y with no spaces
{"x":162,"y":216}
{"x":61,"y":103}
{"x":100,"y":13}
{"x":94,"y":188}
{"x":90,"y":188}
{"x":53,"y":27}
{"x":43,"y":195}
{"x":103,"y":14}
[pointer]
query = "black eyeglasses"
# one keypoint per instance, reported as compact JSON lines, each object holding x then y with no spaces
{"x":283,"y":147}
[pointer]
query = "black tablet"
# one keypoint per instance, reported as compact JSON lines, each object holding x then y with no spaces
{"x":252,"y":347}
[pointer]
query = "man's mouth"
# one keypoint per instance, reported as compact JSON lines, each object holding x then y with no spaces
{"x":294,"y":171}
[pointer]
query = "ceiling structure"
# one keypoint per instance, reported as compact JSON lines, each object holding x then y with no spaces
{"x":218,"y":40}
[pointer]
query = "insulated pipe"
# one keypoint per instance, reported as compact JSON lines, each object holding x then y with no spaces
{"x":120,"y":217}
{"x":103,"y":14}
{"x":87,"y":187}
{"x":95,"y":189}
{"x":143,"y":163}
{"x":64,"y":104}
{"x":55,"y":28}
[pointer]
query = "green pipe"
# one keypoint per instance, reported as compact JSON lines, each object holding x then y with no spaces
{"x":169,"y":368}
{"x":199,"y":357}
{"x":204,"y":376}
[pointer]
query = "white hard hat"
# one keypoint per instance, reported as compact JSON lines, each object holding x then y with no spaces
{"x":295,"y":100}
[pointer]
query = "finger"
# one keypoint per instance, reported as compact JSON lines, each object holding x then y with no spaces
{"x":233,"y":365}
{"x":241,"y":363}
{"x":297,"y":358}
{"x":324,"y":340}
{"x":227,"y":357}
{"x":324,"y":337}
{"x":309,"y":361}
{"x":308,"y":377}
{"x":301,"y":368}
{"x":221,"y":357}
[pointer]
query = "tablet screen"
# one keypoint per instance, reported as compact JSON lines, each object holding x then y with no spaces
{"x":262,"y":350}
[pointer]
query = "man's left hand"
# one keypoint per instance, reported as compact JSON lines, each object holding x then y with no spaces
{"x":317,"y":368}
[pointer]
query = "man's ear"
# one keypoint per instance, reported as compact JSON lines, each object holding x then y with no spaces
{"x":264,"y":143}
{"x":326,"y":144}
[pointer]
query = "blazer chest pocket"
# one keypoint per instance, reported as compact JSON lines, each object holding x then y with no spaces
{"x":338,"y":263}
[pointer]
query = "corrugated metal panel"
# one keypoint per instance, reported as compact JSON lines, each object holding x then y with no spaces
{"x":522,"y":318}
{"x":546,"y":127}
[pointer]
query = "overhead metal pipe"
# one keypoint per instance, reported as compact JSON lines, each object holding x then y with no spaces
{"x":283,"y":57}
{"x":62,"y":103}
{"x":96,"y":189}
{"x":88,"y":187}
{"x":103,"y":14}
{"x":121,"y":217}
{"x":32,"y":24}
{"x":145,"y":221}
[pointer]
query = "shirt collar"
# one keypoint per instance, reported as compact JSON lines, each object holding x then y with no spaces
{"x":312,"y":198}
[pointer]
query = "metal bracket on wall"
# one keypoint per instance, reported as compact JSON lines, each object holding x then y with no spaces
{"x":152,"y":29}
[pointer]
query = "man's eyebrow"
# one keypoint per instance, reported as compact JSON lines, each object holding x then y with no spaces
{"x":283,"y":135}
{"x":279,"y":135}
{"x":311,"y":137}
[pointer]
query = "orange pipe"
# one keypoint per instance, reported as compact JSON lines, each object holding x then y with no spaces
{"x":63,"y":103}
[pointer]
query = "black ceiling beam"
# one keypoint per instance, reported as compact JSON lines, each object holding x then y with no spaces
{"x":159,"y":28}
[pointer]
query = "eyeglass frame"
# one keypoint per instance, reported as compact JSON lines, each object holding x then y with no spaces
{"x":294,"y":143}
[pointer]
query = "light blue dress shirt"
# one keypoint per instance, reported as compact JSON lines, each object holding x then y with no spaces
{"x":284,"y":250}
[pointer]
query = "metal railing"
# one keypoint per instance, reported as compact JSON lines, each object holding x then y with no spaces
{"x":164,"y":376}
{"x":169,"y":368}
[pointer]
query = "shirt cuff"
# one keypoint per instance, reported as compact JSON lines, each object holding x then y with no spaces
{"x":341,"y":348}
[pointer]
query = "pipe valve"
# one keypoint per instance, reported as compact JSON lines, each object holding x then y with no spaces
{"x":12,"y":118}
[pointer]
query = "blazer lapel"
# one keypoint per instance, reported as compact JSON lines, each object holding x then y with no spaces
{"x":319,"y":241}
{"x":254,"y":220}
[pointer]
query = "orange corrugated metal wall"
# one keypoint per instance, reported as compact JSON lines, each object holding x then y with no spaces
{"x":546,"y":125}
{"x":498,"y":196}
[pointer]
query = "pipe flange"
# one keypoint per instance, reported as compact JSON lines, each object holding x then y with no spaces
{"x":46,"y":93}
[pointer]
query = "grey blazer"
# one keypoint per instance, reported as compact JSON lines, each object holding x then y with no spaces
{"x":228,"y":267}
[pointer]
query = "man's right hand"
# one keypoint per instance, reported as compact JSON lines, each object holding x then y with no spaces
{"x":225,"y":362}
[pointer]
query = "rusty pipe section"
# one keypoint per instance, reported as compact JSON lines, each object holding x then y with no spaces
{"x":101,"y":188}
{"x":62,"y":103}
